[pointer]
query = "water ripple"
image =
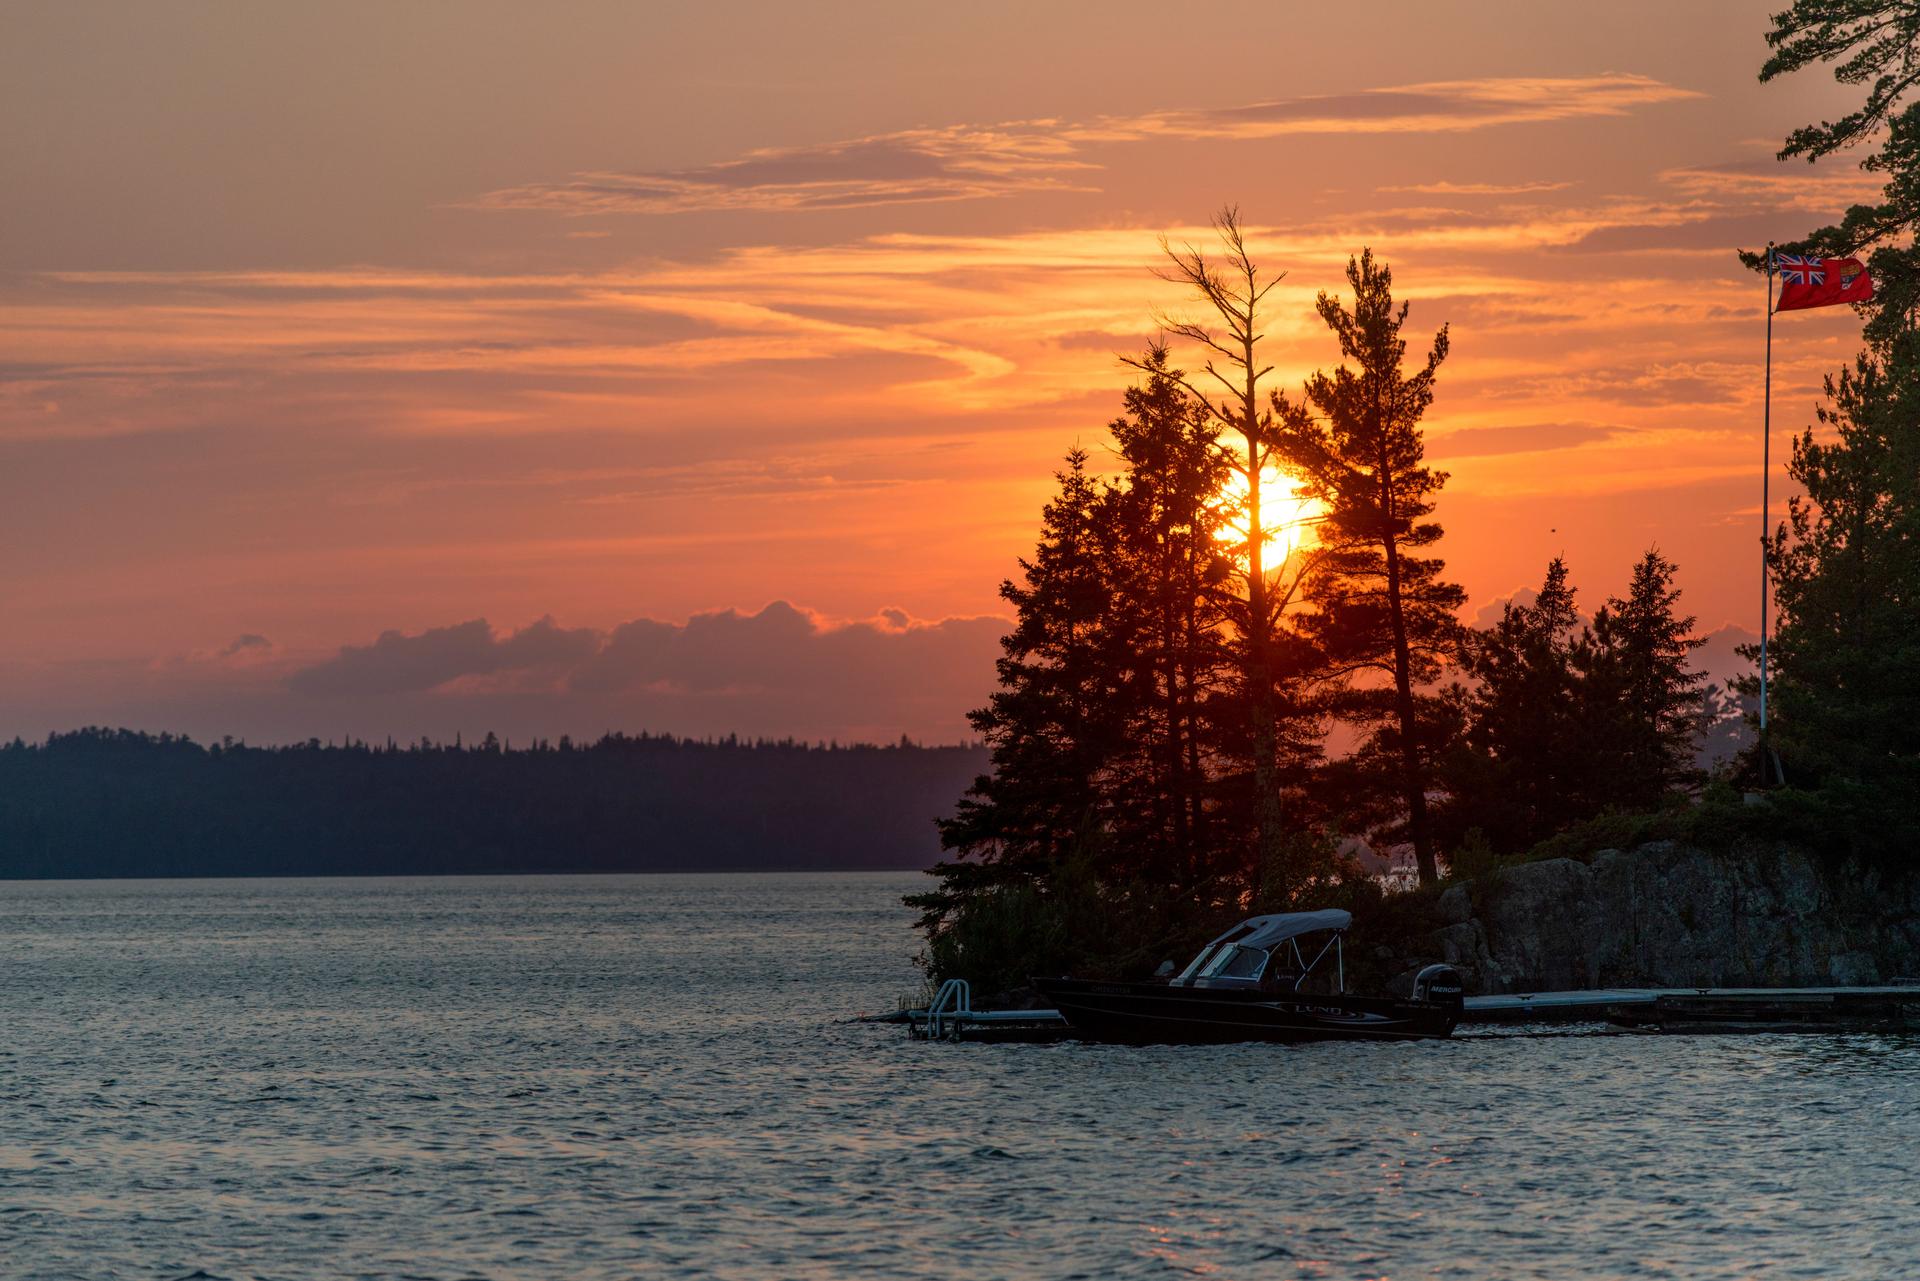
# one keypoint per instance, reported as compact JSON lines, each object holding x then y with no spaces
{"x":621,"y":1077}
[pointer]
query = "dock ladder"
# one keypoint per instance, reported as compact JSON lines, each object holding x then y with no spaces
{"x":953,"y":1002}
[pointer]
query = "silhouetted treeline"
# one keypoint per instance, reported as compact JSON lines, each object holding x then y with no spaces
{"x":1238,"y":661}
{"x":118,"y":803}
{"x":1188,"y":636}
{"x":1555,"y":721}
{"x":1189,"y":631}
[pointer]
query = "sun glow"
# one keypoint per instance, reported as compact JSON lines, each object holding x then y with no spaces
{"x":1287,"y":517}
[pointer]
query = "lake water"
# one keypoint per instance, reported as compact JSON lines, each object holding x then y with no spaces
{"x":604,"y":1077}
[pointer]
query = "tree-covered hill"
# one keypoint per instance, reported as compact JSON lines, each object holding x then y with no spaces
{"x":118,"y":803}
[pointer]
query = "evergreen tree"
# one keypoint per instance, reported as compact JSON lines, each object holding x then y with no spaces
{"x":1383,"y":605}
{"x":1050,"y":726}
{"x":1166,"y":566}
{"x":1845,"y":563}
{"x":1846,"y":573}
{"x":1642,"y":696}
{"x":1095,"y":835}
{"x":1875,"y":43}
{"x":1521,"y":768}
{"x":1560,"y":721}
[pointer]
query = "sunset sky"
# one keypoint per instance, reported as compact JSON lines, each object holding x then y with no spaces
{"x":405,"y":368}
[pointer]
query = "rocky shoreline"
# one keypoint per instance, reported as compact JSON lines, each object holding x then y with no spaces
{"x":1670,"y":915}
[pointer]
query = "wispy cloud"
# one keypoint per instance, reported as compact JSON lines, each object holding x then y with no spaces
{"x":917,"y":166}
{"x":1480,"y":188}
{"x":866,"y":333}
{"x":1444,"y":106}
{"x":743,"y":400}
{"x":1800,"y":186}
{"x":972,"y":162}
{"x":1520,"y":438}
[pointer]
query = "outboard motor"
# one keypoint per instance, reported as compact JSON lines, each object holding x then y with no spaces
{"x":1440,"y":984}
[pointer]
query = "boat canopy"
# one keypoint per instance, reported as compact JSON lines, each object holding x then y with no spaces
{"x":1268,"y":932}
{"x":1245,"y":954}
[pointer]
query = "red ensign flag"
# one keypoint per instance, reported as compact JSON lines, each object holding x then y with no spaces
{"x":1820,"y":282}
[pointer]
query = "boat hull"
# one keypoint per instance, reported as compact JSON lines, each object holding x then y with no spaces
{"x":1154,"y":1013}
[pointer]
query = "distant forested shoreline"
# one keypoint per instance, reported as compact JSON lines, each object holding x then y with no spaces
{"x":120,"y":803}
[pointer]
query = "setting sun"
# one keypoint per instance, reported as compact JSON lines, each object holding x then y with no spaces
{"x":1287,"y":518}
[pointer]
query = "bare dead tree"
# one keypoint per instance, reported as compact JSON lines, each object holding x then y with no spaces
{"x":1228,"y":283}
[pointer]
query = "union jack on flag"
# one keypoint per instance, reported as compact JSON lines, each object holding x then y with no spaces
{"x":1799,"y":269}
{"x":1807,"y":281}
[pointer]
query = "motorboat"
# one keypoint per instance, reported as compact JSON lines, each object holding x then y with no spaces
{"x":1280,"y":977}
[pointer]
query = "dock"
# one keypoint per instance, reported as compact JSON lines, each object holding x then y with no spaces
{"x":1586,"y":1006}
{"x":951,"y":1016}
{"x":1810,"y":1009}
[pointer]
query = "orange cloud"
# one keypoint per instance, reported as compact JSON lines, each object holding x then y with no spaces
{"x":1442,"y":106}
{"x":869,"y":417}
{"x":937,"y":327}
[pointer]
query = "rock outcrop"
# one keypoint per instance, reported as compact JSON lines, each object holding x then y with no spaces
{"x":1668,"y":915}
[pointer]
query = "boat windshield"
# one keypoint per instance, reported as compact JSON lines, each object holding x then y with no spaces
{"x":1193,"y":966}
{"x":1236,"y":963}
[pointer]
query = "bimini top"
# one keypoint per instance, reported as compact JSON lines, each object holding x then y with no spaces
{"x":1267,"y":932}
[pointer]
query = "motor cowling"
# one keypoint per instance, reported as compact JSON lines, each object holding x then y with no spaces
{"x":1442,"y":985}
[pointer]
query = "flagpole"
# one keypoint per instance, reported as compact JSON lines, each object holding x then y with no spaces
{"x":1766,"y":466}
